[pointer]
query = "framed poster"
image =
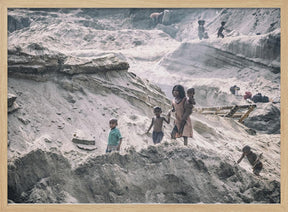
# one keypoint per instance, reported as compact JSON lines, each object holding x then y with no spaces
{"x":69,"y":70}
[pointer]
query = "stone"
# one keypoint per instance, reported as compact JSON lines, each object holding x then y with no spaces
{"x":11,"y":99}
{"x":83,"y":141}
{"x":86,"y":147}
{"x":13,"y":108}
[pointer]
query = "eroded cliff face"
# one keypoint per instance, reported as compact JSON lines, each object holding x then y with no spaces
{"x":75,"y":99}
{"x":70,"y":71}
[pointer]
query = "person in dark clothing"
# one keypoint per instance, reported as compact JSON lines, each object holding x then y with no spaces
{"x":253,"y":159}
{"x":220,"y":30}
{"x":259,"y":98}
{"x":201,"y":29}
{"x":234,"y":89}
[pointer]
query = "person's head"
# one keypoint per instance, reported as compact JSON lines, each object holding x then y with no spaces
{"x":113,"y":123}
{"x":157,"y":111}
{"x":246,"y":149}
{"x":190,"y":92}
{"x":178,"y":91}
{"x":201,"y":22}
{"x":223,"y":23}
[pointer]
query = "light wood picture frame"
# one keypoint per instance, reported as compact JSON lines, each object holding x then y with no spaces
{"x":5,"y":4}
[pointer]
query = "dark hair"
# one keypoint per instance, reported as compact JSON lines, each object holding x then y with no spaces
{"x":192,"y":90}
{"x":157,"y":108}
{"x":246,"y":148}
{"x":201,"y":22}
{"x":113,"y":120}
{"x":181,"y":90}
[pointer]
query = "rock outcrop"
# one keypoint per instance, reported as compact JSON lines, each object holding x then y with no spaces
{"x":265,"y":119}
{"x":156,"y":174}
{"x":12,"y":105}
{"x":61,"y":88}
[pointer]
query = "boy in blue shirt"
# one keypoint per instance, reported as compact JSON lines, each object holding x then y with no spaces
{"x":114,"y":138}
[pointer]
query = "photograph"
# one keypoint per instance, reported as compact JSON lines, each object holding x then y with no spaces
{"x":144,"y":105}
{"x":162,"y":107}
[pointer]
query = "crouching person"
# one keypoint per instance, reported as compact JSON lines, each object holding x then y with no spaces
{"x":253,"y":159}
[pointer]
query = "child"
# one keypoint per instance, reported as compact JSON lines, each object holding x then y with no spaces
{"x":220,"y":31}
{"x":253,"y":159}
{"x":190,"y":95}
{"x":234,"y":90}
{"x":188,"y":107}
{"x":157,"y":121}
{"x":178,"y":106}
{"x":115,"y":138}
{"x":201,"y":29}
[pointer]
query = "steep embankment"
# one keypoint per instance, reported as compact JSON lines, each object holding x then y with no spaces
{"x":76,"y":99}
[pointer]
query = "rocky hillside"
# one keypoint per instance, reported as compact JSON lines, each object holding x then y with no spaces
{"x":162,"y":174}
{"x":71,"y":70}
{"x":60,"y":101}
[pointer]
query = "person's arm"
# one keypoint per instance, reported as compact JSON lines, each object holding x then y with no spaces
{"x":173,"y":108}
{"x":188,"y":107}
{"x":120,"y":142}
{"x":243,"y":155}
{"x":192,"y":101}
{"x":168,"y":117}
{"x":152,"y":123}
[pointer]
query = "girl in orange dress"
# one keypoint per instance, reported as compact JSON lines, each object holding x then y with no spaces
{"x":179,"y":105}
